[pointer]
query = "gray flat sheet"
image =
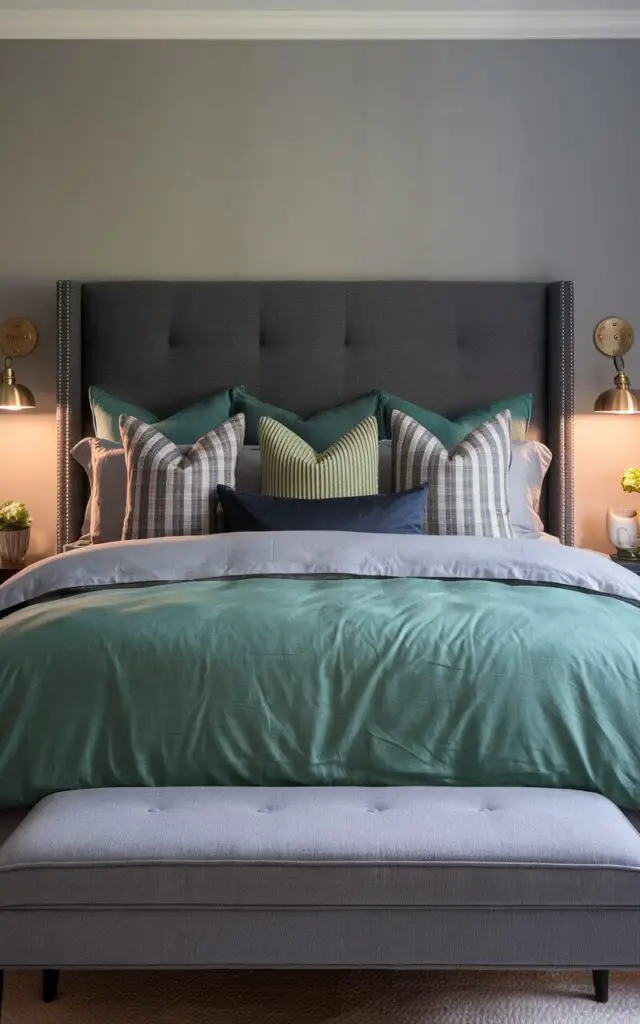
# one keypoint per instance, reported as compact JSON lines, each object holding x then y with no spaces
{"x":318,"y":553}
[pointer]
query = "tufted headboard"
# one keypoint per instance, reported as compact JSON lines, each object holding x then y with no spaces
{"x":450,"y":346}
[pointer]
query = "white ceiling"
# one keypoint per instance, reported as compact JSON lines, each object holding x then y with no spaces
{"x":440,"y":6}
{"x":319,"y":19}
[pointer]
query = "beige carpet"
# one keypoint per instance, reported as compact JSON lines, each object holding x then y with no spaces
{"x":320,"y":997}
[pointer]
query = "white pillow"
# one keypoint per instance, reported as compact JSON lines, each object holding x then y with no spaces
{"x":530,"y":461}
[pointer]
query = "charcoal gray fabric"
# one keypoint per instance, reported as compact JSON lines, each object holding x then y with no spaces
{"x":171,"y":493}
{"x":450,"y":346}
{"x":186,"y":937}
{"x":468,"y":487}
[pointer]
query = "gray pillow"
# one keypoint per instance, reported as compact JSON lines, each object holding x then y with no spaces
{"x":103,"y":462}
{"x":530,"y":462}
{"x":81,"y":452}
{"x":109,"y":502}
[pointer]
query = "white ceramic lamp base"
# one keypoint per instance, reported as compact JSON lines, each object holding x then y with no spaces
{"x":622,"y":531}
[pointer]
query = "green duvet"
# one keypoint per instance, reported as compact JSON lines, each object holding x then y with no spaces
{"x":288,"y":681}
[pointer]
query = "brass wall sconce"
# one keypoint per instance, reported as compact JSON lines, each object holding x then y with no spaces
{"x":614,"y":337}
{"x":18,"y":338}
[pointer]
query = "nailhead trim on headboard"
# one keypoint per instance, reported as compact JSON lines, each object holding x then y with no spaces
{"x":567,"y":452}
{"x":63,"y":414}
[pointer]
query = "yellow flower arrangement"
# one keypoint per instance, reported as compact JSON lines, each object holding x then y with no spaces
{"x":14,"y":516}
{"x":631,"y":481}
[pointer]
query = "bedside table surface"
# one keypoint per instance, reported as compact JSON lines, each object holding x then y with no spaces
{"x":632,"y":564}
{"x":7,"y":571}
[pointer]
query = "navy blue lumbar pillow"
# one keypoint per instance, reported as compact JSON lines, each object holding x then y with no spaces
{"x":371,"y":513}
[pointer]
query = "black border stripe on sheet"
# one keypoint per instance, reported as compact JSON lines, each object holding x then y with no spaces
{"x":58,"y":595}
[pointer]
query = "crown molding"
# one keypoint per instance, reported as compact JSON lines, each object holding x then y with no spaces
{"x":61,"y":23}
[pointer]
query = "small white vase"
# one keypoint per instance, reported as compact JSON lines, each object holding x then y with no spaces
{"x":14,"y":545}
{"x":622,"y":530}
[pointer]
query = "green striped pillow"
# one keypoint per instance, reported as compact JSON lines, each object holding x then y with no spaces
{"x":292,"y":469}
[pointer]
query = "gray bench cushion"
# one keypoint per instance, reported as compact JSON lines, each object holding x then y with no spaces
{"x":255,"y":847}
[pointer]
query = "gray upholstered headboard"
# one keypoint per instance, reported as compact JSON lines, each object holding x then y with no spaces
{"x":450,"y":346}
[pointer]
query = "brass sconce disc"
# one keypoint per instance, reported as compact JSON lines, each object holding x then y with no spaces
{"x":18,"y":337}
{"x":613,"y":336}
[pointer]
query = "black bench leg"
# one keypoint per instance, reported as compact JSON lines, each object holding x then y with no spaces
{"x":601,"y":986}
{"x":50,"y":981}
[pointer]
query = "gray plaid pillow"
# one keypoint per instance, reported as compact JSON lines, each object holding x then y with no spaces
{"x":172,"y":492}
{"x":468,"y":490}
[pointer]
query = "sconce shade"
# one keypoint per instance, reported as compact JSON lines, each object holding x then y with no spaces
{"x":614,"y":337}
{"x":620,"y":399}
{"x":14,"y":396}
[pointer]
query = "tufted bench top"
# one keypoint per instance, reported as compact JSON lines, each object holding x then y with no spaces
{"x":302,"y":847}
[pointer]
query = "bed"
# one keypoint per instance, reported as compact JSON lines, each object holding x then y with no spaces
{"x":312,"y":659}
{"x":387,"y":605}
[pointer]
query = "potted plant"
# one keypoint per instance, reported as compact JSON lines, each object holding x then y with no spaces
{"x":15,"y":532}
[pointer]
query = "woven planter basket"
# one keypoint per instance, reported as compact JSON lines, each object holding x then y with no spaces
{"x":14,"y":545}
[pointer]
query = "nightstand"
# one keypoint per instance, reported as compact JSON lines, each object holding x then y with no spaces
{"x":6,"y":572}
{"x":632,"y":564}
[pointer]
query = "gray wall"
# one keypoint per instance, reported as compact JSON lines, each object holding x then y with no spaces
{"x":469,"y":160}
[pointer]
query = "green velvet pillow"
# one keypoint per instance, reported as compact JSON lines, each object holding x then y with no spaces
{"x":183,"y":427}
{"x":452,"y":432}
{"x":319,"y":431}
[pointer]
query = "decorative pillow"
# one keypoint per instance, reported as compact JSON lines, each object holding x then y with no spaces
{"x":184,"y":427}
{"x":107,"y":475}
{"x":105,"y":466}
{"x":385,"y":468}
{"x":530,"y":462}
{"x":81,"y":452}
{"x":104,"y":463}
{"x":171,"y":493}
{"x":292,"y":469}
{"x":452,"y":432}
{"x":468,"y":491}
{"x":372,"y":513}
{"x":320,"y":431}
{"x":109,"y":503}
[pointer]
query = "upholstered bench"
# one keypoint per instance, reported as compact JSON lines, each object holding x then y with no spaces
{"x":328,"y":877}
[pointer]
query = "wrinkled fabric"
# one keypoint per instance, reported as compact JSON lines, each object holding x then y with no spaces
{"x":524,"y":673}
